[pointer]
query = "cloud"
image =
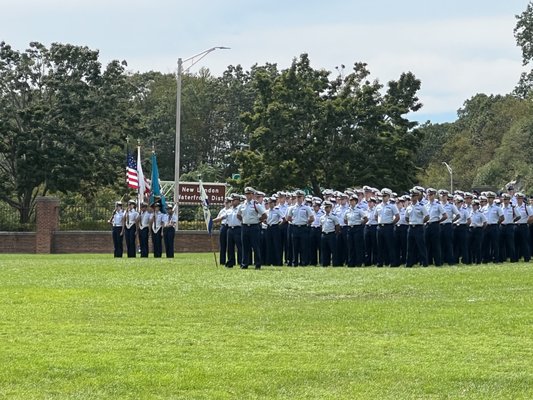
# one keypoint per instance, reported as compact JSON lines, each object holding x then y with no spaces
{"x":455,"y":52}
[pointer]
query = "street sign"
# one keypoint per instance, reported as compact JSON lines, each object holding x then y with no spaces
{"x":189,"y":192}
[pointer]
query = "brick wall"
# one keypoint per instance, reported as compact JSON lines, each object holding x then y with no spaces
{"x":47,"y":239}
{"x":101,"y":242}
{"x":17,"y":242}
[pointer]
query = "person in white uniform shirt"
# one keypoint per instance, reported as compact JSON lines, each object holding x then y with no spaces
{"x":223,"y":237}
{"x":234,"y":238}
{"x":143,"y":222}
{"x":130,"y":228}
{"x":355,"y":218}
{"x":330,"y":229}
{"x":387,"y":215}
{"x":494,"y":214}
{"x":416,"y":215}
{"x":478,"y":222}
{"x":156,"y":226}
{"x":437,"y":214}
{"x":117,"y":222}
{"x":170,"y":219}
{"x":523,"y":240}
{"x":251,"y":214}
{"x":273,"y":233}
{"x":300,"y":216}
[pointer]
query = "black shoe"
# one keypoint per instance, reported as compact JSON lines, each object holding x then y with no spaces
{"x":244,"y":266}
{"x":228,"y":266}
{"x":257,"y":267}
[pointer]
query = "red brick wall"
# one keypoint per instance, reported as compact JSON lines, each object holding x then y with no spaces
{"x":17,"y":242}
{"x":48,"y":240}
{"x":101,"y":242}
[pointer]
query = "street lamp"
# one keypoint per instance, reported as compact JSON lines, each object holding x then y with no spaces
{"x":451,"y":176}
{"x":194,"y":59}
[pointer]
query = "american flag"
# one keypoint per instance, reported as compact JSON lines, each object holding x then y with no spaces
{"x":132,"y":176}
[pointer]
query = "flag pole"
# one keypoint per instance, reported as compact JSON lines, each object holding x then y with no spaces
{"x":213,"y":249}
{"x":207,"y":216}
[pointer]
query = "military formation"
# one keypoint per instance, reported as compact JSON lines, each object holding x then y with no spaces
{"x":371,"y":227}
{"x":128,"y":224}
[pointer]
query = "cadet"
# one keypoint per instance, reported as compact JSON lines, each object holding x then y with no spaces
{"x":315,"y":234}
{"x":223,"y":238}
{"x":234,"y":239}
{"x":283,"y":206}
{"x":260,"y":198}
{"x":251,"y":214}
{"x":494,"y":216}
{"x":371,"y":244}
{"x":400,"y":230}
{"x":130,"y":225}
{"x":342,"y":238}
{"x":156,"y":225}
{"x":416,"y":215}
{"x":522,"y":230}
{"x":387,"y":215}
{"x":507,"y":230}
{"x":432,"y":232}
{"x":478,"y":222}
{"x":273,"y":234}
{"x":460,"y":235}
{"x":330,"y":229}
{"x":143,"y":222}
{"x":117,"y":222}
{"x":169,"y":230}
{"x":446,"y":227}
{"x":356,"y":219}
{"x":301,"y":216}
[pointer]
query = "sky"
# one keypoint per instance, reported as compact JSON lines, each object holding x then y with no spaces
{"x":457,"y":48}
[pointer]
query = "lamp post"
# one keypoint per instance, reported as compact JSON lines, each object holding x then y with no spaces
{"x":194,"y":59}
{"x":451,"y":176}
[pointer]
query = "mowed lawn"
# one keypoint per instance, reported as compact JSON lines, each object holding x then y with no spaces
{"x":92,"y":327}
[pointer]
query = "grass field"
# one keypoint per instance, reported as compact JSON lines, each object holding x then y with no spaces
{"x":91,"y":327}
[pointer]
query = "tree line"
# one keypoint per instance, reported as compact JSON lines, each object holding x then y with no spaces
{"x":65,"y":119}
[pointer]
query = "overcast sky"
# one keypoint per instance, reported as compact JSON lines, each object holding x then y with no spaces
{"x":456,"y":47}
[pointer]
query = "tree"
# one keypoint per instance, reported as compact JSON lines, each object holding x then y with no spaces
{"x":62,"y":122}
{"x":210,"y":125}
{"x":309,"y":131}
{"x":523,"y":33}
{"x":487,"y":146}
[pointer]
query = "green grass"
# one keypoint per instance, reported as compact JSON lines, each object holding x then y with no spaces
{"x":91,"y":327}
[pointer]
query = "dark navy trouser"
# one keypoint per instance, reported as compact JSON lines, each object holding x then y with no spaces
{"x":300,"y":241}
{"x":234,"y":241}
{"x":223,"y":243}
{"x":129,"y":233}
{"x":117,"y":241}
{"x":328,"y":248}
{"x":432,"y":237}
{"x":356,"y":246}
{"x":143,"y":241}
{"x":157,"y":244}
{"x":251,"y":240}
{"x":386,"y":246}
{"x":273,"y":246}
{"x":168,"y":235}
{"x":416,"y":246}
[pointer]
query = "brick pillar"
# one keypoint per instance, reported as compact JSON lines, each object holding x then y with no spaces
{"x":47,"y":221}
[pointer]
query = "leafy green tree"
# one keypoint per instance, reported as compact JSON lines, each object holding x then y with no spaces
{"x":63,"y":121}
{"x":523,"y":33}
{"x":309,"y":131}
{"x":487,"y":146}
